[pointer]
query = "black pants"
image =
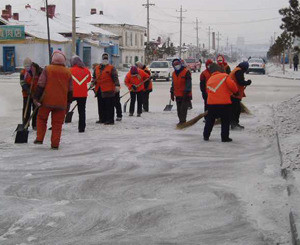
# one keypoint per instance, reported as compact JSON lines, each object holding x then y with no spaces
{"x":146,"y":100}
{"x":295,"y":67}
{"x":236,"y":111}
{"x":32,"y":106}
{"x":118,"y":105}
{"x":81,"y":102}
{"x":109,"y":109}
{"x":139,"y":96}
{"x":204,"y":96}
{"x":182,"y":108}
{"x":100,"y":106}
{"x":218,"y":111}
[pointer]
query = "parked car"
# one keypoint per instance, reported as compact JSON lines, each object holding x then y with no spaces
{"x":161,"y":70}
{"x":257,"y":65}
{"x":193,"y":64}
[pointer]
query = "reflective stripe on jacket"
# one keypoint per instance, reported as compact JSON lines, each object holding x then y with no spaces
{"x":81,"y":76}
{"x":241,"y":89}
{"x":57,"y":87}
{"x":219,"y":89}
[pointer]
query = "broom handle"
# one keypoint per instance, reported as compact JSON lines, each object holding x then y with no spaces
{"x":74,"y":107}
{"x":31,"y":116}
{"x":28,"y":97}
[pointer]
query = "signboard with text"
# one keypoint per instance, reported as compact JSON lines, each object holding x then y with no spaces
{"x":8,"y":32}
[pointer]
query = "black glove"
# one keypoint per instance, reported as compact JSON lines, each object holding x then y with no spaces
{"x":248,"y":82}
{"x":134,"y":87}
{"x":172,"y":96}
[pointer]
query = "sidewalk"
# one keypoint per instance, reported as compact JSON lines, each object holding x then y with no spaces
{"x":274,"y":70}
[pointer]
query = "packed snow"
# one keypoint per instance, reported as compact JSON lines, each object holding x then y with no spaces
{"x":141,"y":181}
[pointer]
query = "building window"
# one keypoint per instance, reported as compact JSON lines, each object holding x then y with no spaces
{"x":142,"y":59}
{"x":136,"y":40}
{"x":126,"y":39}
{"x":142,"y":40}
{"x":130,"y":60}
{"x":126,"y":59}
{"x":131,"y":39}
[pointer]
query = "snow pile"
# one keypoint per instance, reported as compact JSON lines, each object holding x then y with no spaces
{"x":275,"y":70}
{"x":287,"y":125}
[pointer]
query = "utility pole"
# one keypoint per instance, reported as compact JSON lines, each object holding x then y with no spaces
{"x":147,"y":5}
{"x":181,"y":18}
{"x":209,"y":38}
{"x":227,"y":44}
{"x":197,"y":30}
{"x":73,"y":27}
{"x":48,"y":31}
{"x":218,"y":39}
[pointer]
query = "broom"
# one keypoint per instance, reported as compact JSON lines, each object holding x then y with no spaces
{"x":192,"y":121}
{"x":244,"y":109}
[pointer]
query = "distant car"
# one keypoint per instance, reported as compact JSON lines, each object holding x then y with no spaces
{"x":193,"y":64}
{"x":257,"y":65}
{"x":161,"y":70}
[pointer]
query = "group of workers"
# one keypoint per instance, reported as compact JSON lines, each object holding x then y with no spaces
{"x":54,"y":88}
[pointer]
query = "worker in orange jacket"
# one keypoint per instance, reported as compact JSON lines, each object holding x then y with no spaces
{"x":148,"y":86}
{"x":220,"y":87}
{"x":29,"y":77}
{"x":181,"y":89}
{"x":237,"y":75}
{"x":53,"y":94}
{"x":205,"y":75}
{"x":81,"y":77}
{"x":223,"y":64}
{"x":134,"y":81}
{"x":107,"y":84}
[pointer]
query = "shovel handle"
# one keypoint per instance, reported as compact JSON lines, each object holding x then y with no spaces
{"x":140,"y":84}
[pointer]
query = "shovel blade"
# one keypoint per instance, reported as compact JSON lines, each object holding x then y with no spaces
{"x":19,"y":127}
{"x":69,"y":116}
{"x":168,"y":108}
{"x":21,"y":136}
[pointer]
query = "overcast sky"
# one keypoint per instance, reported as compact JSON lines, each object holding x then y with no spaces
{"x":255,"y":20}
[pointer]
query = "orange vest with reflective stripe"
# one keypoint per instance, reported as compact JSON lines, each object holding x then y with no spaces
{"x":81,"y":76}
{"x":104,"y":79}
{"x":150,"y":82}
{"x":28,"y":80}
{"x":57,"y":87}
{"x":241,"y":92}
{"x":219,"y":89}
{"x":179,"y":83}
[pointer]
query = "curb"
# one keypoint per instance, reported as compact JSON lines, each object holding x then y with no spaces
{"x":288,"y":78}
{"x":285,"y":173}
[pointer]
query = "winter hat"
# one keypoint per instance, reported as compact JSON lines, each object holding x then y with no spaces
{"x":27,"y":62}
{"x":134,"y":70}
{"x":139,"y":64}
{"x":58,"y":58}
{"x":213,"y":67}
{"x":220,"y":59}
{"x":208,"y":62}
{"x":105,"y":56}
{"x":75,"y":60}
{"x":244,"y":66}
{"x":176,"y":62}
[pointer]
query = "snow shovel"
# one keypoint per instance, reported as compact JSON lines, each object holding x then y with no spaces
{"x":244,"y":109}
{"x":22,"y":132}
{"x":169,"y":106}
{"x":125,"y":104}
{"x":192,"y":121}
{"x":69,"y":115}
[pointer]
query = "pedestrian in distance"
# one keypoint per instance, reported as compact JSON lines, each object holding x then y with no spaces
{"x":81,"y":76}
{"x":205,"y":75}
{"x":148,"y":86}
{"x":296,"y":62}
{"x":107,"y":84}
{"x":237,"y":75}
{"x":181,"y":89}
{"x":135,"y":80}
{"x":223,"y":64}
{"x":53,"y":95}
{"x":220,"y":87}
{"x":29,"y":77}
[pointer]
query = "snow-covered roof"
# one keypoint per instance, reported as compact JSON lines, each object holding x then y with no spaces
{"x":95,"y":19}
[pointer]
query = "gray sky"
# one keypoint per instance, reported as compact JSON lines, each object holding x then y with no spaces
{"x":256,"y":20}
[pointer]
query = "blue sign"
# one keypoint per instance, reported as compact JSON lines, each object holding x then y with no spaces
{"x":8,"y":32}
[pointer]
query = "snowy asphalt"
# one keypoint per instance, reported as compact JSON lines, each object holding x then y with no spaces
{"x":142,"y":181}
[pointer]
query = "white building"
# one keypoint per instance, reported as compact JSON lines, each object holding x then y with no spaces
{"x":132,"y":43}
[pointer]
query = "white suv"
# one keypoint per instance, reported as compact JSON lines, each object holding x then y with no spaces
{"x":161,"y":70}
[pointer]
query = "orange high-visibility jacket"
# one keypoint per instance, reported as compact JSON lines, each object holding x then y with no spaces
{"x":219,"y":89}
{"x":81,"y":76}
{"x":241,"y":92}
{"x":136,"y":80}
{"x":179,"y":83}
{"x":104,"y":79}
{"x":57,"y":87}
{"x":28,"y":79}
{"x":150,"y":86}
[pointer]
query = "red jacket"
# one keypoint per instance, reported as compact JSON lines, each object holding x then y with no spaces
{"x":81,"y":76}
{"x":136,"y":80}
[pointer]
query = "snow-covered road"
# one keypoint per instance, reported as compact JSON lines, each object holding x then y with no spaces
{"x":142,"y":181}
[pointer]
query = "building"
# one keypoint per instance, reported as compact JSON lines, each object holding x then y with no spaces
{"x":132,"y":42}
{"x":24,"y":35}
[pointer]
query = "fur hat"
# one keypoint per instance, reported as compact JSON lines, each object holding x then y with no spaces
{"x":244,"y":66}
{"x":27,"y":62}
{"x":75,"y":60}
{"x":58,"y":58}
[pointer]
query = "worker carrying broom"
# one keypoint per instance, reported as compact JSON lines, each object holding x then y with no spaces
{"x":220,"y":87}
{"x":238,"y":77}
{"x":55,"y":90}
{"x":181,"y":89}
